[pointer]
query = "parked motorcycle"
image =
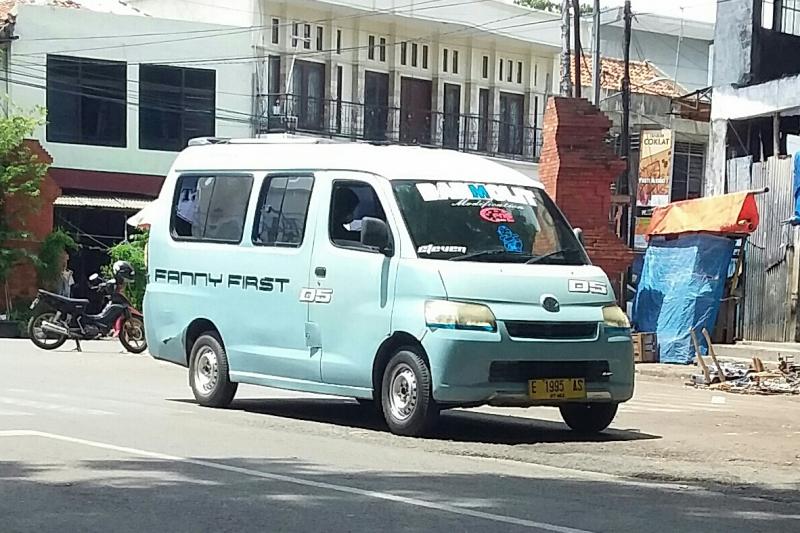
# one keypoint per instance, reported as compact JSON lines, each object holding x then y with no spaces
{"x":58,"y":319}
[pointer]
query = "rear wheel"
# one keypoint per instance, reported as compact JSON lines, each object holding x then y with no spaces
{"x":588,"y":417}
{"x":44,"y":339}
{"x":131,"y":335}
{"x":406,"y":395}
{"x":208,"y":372}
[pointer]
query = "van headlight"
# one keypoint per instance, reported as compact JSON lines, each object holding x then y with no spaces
{"x":456,"y":315}
{"x":615,"y":317}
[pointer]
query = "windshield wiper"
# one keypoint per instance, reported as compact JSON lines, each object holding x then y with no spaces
{"x":488,"y":253}
{"x":540,"y":258}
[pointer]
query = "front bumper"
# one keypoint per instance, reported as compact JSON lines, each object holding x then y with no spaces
{"x":461,"y":366}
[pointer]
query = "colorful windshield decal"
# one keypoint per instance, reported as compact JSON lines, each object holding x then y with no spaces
{"x":497,"y":215}
{"x":480,"y":194}
{"x":511,"y":241}
{"x":429,"y":249}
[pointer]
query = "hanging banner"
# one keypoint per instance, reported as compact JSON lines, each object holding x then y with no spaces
{"x":655,"y":172}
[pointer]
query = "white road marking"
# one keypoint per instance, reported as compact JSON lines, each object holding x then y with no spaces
{"x":65,"y":409}
{"x":442,"y":507}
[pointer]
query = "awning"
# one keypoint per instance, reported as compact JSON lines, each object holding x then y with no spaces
{"x":727,"y":214}
{"x":121,"y":203}
{"x":144,"y":218}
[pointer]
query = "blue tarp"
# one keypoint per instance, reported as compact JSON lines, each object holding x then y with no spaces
{"x":681,"y":286}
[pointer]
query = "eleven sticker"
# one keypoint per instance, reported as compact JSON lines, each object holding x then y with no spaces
{"x":457,"y":190}
{"x":429,"y":249}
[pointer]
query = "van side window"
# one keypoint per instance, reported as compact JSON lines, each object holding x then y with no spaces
{"x":211,"y":208}
{"x":282,"y":211}
{"x":350,"y":202}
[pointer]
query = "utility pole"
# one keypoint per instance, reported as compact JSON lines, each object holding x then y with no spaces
{"x":626,"y":118}
{"x":596,"y":55}
{"x":566,"y":79}
{"x":576,"y":19}
{"x":678,"y":52}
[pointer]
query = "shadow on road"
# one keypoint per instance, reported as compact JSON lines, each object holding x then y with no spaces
{"x":458,"y":426}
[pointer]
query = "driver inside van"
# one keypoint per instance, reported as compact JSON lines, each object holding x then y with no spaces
{"x":345,"y":202}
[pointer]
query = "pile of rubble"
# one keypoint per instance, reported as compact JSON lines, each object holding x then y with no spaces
{"x":751,"y":379}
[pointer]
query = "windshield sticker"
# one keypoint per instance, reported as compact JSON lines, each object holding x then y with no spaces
{"x":429,"y":249}
{"x":511,"y":241}
{"x":496,"y":214}
{"x":485,"y":194}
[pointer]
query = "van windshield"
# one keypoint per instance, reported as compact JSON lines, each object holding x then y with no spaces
{"x":461,"y":221}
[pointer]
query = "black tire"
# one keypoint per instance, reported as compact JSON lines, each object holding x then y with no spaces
{"x":408,"y":420}
{"x":54,"y":341}
{"x":588,"y":418}
{"x":135,"y":345}
{"x":211,"y":386}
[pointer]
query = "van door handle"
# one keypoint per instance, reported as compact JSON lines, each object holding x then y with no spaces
{"x":320,"y":272}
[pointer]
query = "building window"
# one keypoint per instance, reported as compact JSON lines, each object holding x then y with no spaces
{"x":87,"y":101}
{"x":485,"y":68}
{"x":383,"y":49}
{"x":413,"y":54}
{"x":445,"y":60}
{"x":425,"y":56}
{"x":339,"y":42}
{"x":211,"y":208}
{"x":175,"y":104}
{"x":295,"y":34}
{"x":536,"y":74}
{"x":320,"y":35}
{"x":500,"y":70}
{"x":282,"y":211}
{"x":687,"y":171}
{"x":512,"y":122}
{"x":510,"y":73}
{"x":307,"y":36}
{"x":455,"y":61}
{"x":519,"y":71}
{"x":371,"y":47}
{"x":403,"y":50}
{"x":274,"y":86}
{"x":276,"y":27}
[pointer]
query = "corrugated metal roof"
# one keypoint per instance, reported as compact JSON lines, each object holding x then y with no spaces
{"x":101,"y":202}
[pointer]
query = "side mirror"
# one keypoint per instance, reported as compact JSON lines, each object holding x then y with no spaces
{"x":579,"y":235}
{"x":375,"y":234}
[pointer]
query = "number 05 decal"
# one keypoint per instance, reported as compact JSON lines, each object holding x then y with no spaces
{"x":316,"y":296}
{"x":590,"y":287}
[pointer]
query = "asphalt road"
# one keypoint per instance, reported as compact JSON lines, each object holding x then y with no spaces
{"x":103,"y":441}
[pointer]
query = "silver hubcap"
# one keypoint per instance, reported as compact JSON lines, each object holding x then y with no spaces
{"x":206,"y":370}
{"x":403,"y":392}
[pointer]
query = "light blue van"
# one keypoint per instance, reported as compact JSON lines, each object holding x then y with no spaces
{"x":410,"y":279}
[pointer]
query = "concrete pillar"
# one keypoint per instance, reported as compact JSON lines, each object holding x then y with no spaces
{"x":494,"y":104}
{"x":437,"y":93}
{"x":714,"y":182}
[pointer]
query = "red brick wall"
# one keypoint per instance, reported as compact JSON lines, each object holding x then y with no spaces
{"x":22,"y":284}
{"x":577,"y":168}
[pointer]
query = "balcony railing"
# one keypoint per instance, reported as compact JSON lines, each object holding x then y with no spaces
{"x":392,"y":125}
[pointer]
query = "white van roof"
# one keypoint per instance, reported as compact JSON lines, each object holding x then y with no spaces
{"x":390,"y":161}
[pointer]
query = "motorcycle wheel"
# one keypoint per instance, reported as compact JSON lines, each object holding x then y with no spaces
{"x":131,"y":335}
{"x":43,"y":339}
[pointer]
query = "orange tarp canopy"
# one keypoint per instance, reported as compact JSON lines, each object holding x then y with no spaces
{"x":727,"y":214}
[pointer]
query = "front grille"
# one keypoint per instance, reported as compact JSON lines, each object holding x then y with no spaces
{"x":522,"y":371}
{"x":552,"y":330}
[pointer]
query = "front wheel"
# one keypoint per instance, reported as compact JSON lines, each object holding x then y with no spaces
{"x":588,"y":418}
{"x":44,"y":339}
{"x":131,"y":335}
{"x":406,"y":395}
{"x":208,"y":372}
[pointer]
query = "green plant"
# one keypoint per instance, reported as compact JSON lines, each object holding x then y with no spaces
{"x":21,"y":174}
{"x":48,"y":261}
{"x":552,"y":6}
{"x":132,"y":251}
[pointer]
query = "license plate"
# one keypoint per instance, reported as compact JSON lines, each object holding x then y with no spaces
{"x":557,"y":389}
{"x":35,"y":303}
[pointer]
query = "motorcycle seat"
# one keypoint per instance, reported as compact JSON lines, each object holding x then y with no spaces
{"x":77,"y":302}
